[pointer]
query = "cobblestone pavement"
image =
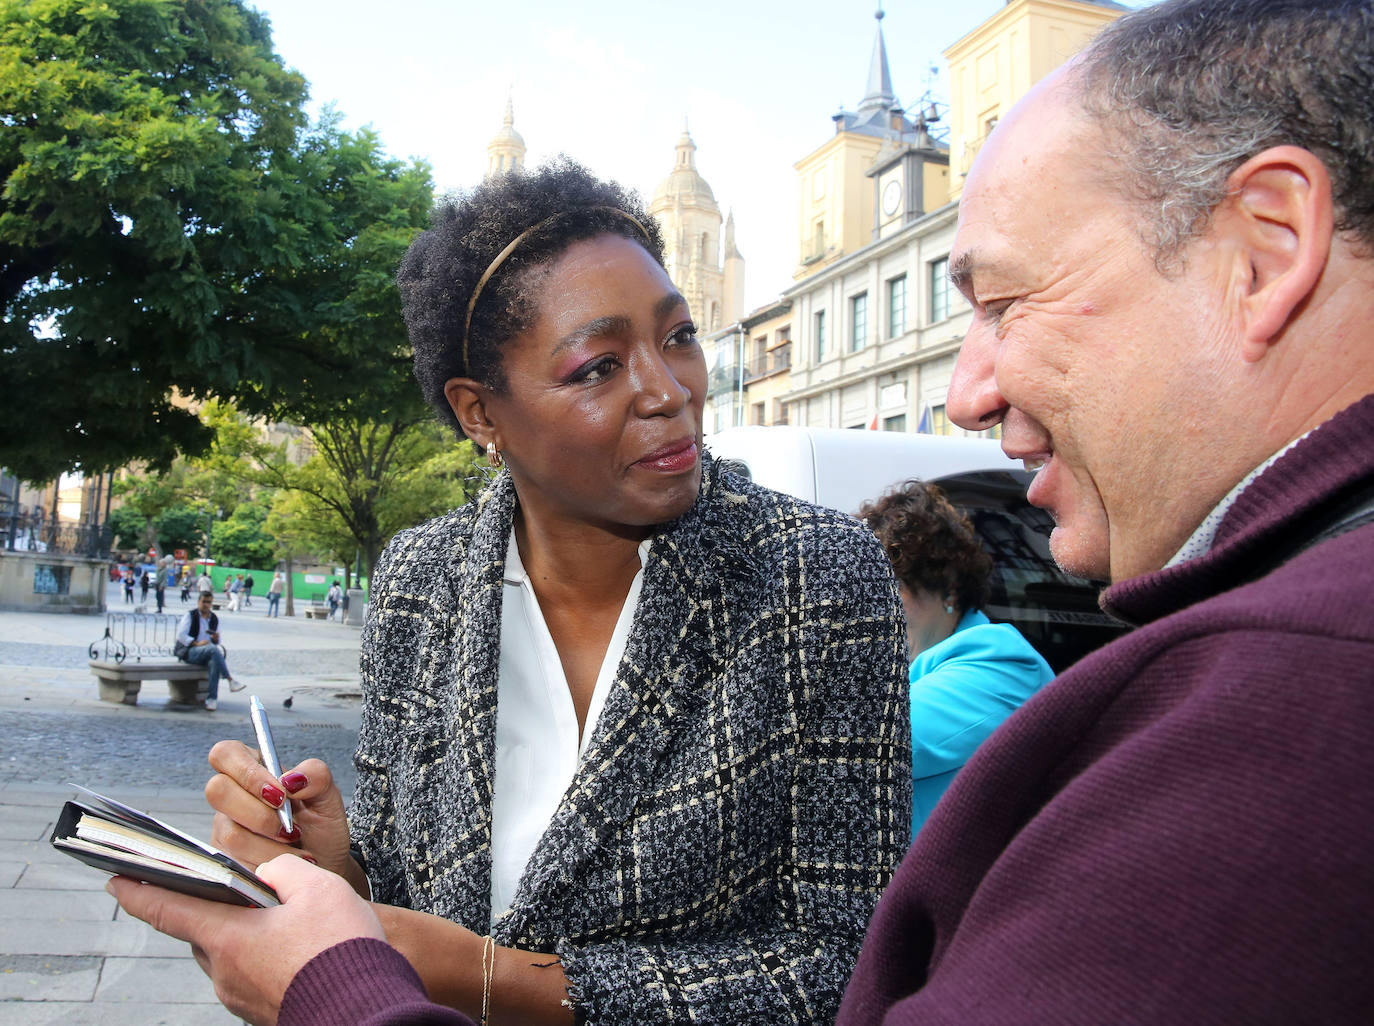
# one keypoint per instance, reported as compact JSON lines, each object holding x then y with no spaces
{"x":67,"y":955}
{"x":244,"y":662}
{"x":106,"y":753}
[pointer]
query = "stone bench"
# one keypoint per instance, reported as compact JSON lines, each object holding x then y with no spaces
{"x":317,"y":613}
{"x":120,"y":682}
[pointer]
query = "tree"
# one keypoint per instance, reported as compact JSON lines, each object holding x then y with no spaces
{"x":365,"y":482}
{"x":242,"y":539}
{"x":129,"y":528}
{"x":166,"y":224}
{"x":181,"y":527}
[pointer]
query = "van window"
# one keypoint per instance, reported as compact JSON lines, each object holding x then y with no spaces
{"x":1057,"y":612}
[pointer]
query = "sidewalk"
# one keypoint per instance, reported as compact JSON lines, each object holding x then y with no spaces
{"x":67,"y":954}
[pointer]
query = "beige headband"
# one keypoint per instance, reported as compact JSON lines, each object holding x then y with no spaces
{"x":501,"y":258}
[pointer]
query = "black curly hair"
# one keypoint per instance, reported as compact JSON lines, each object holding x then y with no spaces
{"x":933,"y":547}
{"x":443,"y":265}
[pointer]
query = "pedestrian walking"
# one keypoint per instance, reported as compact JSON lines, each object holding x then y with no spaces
{"x":235,"y":593}
{"x":198,"y":643}
{"x":161,"y":579}
{"x":248,"y":590}
{"x":204,"y":582}
{"x":143,"y":583}
{"x":274,"y":594}
{"x":334,"y":597}
{"x":128,"y":584}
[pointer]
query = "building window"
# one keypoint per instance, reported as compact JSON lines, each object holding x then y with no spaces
{"x":858,"y":321}
{"x":897,"y":423}
{"x":896,"y":306}
{"x":820,"y":335}
{"x":939,"y":289}
{"x":756,"y":413}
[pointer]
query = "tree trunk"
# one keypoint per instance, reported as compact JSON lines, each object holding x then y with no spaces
{"x":290,"y":602}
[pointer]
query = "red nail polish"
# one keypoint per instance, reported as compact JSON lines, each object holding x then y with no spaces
{"x":294,"y":782}
{"x":273,"y":796}
{"x":310,"y":859}
{"x":293,"y":836}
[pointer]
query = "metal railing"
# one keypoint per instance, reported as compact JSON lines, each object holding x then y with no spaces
{"x":137,"y":635}
{"x":779,"y":359}
{"x":33,"y":532}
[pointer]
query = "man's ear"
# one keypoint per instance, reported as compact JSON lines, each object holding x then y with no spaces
{"x":467,"y":399}
{"x":1279,"y":210}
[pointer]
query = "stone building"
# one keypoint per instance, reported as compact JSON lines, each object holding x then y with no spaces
{"x":706,"y":268}
{"x":875,"y":323}
{"x":506,"y":151}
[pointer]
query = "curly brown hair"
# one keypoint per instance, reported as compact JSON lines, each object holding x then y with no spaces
{"x":932,"y":545}
{"x":443,"y":266}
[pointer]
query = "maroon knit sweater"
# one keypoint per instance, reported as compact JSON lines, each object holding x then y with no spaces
{"x":1179,"y":829}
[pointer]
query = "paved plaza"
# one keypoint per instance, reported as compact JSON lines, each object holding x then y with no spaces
{"x":67,"y":954}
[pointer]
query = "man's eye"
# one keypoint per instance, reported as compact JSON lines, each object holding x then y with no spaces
{"x":994,"y":311}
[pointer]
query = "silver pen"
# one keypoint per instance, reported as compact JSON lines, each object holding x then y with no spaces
{"x":269,"y":754}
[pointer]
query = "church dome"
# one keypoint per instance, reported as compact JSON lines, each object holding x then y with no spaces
{"x":506,"y":151}
{"x":507,"y":135}
{"x":684,"y":185}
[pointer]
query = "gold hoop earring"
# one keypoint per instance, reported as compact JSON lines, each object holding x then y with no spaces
{"x":494,"y":455}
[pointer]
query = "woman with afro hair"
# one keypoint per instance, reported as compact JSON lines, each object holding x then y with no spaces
{"x":634,"y":743}
{"x":967,"y":674}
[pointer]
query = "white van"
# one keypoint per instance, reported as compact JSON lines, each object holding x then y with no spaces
{"x":1057,"y":612}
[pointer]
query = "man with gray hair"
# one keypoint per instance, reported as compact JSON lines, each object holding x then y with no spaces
{"x":1169,"y":250}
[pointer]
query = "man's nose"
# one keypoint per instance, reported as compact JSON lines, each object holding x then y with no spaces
{"x":974,"y":401}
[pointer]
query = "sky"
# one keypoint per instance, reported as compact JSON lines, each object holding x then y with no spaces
{"x":611,"y":83}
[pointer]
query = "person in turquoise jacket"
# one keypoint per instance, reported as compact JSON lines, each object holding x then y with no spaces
{"x":967,"y":673}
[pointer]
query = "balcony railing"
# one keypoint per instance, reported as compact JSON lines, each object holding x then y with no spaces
{"x":21,"y":532}
{"x":722,"y":380}
{"x":779,"y":359}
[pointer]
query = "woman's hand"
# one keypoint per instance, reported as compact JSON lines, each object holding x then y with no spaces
{"x":253,"y":954}
{"x":246,"y":798}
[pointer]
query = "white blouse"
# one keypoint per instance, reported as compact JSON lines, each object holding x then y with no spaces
{"x":537,"y":746}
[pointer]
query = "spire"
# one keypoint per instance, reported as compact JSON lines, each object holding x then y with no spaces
{"x":731,"y":250}
{"x":686,"y":149}
{"x":879,"y":95}
{"x":506,"y":151}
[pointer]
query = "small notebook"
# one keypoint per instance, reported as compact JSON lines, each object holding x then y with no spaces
{"x":110,"y":835}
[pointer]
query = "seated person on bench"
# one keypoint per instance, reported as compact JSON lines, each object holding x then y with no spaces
{"x":198,"y":643}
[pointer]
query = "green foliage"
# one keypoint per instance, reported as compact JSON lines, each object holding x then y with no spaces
{"x":166,"y":224}
{"x":365,"y":482}
{"x":243,"y":540}
{"x":130,"y":528}
{"x":181,"y":527}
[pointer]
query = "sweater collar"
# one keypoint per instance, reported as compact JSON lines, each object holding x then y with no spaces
{"x":1264,"y":517}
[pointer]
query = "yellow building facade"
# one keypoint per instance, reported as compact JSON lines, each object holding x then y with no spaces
{"x":880,"y":170}
{"x":875,"y":323}
{"x":997,"y":63}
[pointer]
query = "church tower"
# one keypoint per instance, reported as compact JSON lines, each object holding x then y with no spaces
{"x":506,"y":151}
{"x":879,"y":170}
{"x":690,"y":220}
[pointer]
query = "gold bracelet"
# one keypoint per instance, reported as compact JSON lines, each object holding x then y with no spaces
{"x":488,"y":968}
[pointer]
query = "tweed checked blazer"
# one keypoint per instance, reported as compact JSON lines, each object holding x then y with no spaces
{"x":746,"y":793}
